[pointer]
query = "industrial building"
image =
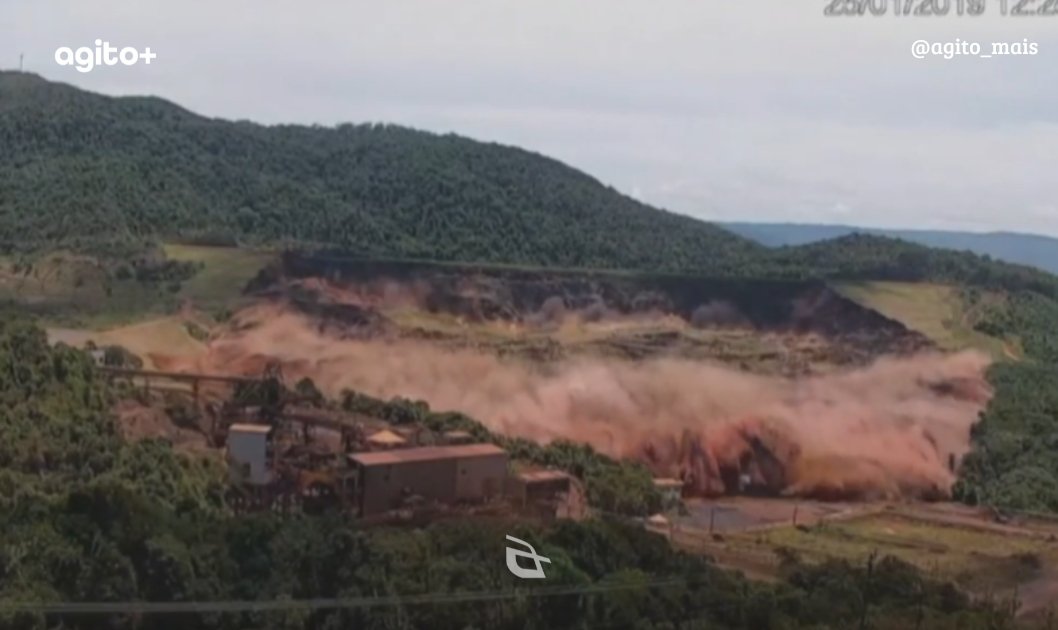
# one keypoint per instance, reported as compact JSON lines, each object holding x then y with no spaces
{"x":387,"y":480}
{"x":249,"y":454}
{"x":285,"y":455}
{"x":539,"y":486}
{"x":546,"y":494}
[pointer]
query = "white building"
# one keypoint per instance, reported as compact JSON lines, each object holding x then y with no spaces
{"x":248,"y":453}
{"x":671,"y":491}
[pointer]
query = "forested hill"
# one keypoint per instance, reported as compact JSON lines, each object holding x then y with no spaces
{"x":100,"y":174}
{"x":1025,"y":249}
{"x":87,"y":171}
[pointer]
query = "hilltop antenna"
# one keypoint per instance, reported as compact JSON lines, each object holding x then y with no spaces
{"x":21,"y":58}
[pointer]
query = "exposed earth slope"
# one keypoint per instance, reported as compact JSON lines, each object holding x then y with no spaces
{"x":778,"y":387}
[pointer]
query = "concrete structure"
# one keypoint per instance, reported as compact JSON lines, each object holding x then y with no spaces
{"x":443,"y":474}
{"x":540,"y":486}
{"x":249,"y":454}
{"x":457,"y":437}
{"x":671,"y":491}
{"x":98,"y":356}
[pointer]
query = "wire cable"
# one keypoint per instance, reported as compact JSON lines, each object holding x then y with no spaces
{"x":142,"y":607}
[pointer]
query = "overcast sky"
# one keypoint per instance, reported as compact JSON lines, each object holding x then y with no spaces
{"x":739,"y":110}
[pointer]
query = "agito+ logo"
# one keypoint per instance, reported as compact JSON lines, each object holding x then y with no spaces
{"x":86,"y":59}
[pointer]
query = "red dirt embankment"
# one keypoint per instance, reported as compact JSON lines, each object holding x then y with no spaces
{"x":887,"y":430}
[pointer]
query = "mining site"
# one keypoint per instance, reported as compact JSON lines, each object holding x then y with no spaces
{"x":733,"y":388}
{"x":765,"y":411}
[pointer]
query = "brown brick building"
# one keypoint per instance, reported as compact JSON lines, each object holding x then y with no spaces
{"x":445,"y":474}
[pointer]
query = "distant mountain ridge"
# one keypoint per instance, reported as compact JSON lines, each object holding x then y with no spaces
{"x":1025,"y":249}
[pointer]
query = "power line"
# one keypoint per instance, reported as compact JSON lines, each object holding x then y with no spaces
{"x":139,"y":607}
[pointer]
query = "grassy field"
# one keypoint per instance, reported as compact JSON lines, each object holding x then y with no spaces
{"x":937,"y":311}
{"x":76,"y":296}
{"x":70,"y":290}
{"x":977,"y":560}
{"x":64,"y":289}
{"x":980,"y":556}
{"x":226,"y":272}
{"x":77,"y":302}
{"x":166,"y":335}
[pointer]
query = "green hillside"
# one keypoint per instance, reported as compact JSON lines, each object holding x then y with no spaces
{"x":222,"y":275}
{"x":1025,"y":249}
{"x":868,"y":257}
{"x":92,"y":173}
{"x":943,"y":313}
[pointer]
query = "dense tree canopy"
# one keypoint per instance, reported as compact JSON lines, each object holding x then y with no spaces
{"x":79,"y":169}
{"x":866,"y":257}
{"x":1014,"y":463}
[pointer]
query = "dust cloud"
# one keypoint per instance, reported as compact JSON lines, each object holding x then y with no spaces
{"x":894,"y":429}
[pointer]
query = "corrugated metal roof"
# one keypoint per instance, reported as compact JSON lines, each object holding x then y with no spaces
{"x":249,"y":428}
{"x":425,"y":453}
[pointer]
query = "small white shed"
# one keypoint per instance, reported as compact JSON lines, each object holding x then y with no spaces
{"x":248,"y":453}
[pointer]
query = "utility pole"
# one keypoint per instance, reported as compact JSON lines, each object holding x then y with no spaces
{"x":1015,"y":603}
{"x":867,"y":589}
{"x":920,"y":613}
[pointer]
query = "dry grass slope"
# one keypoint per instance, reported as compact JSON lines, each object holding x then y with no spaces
{"x":166,"y":335}
{"x":937,"y":311}
{"x":224,"y":275}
